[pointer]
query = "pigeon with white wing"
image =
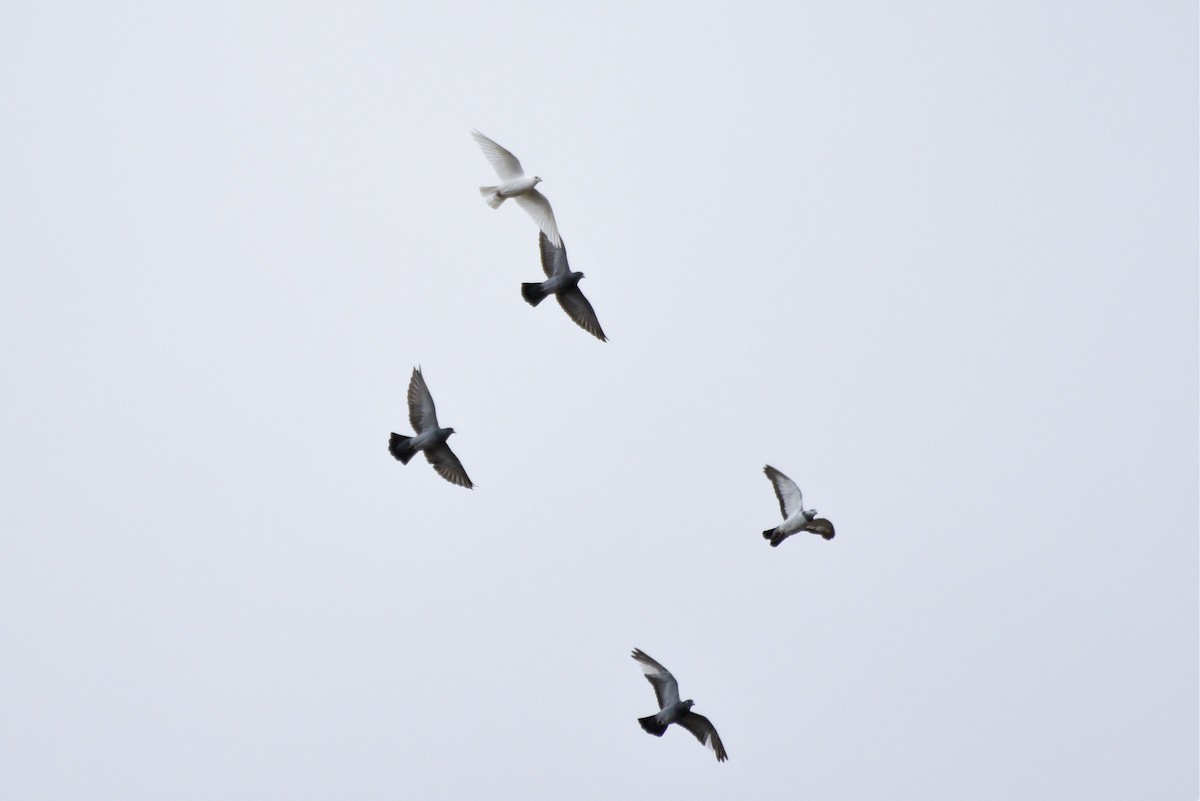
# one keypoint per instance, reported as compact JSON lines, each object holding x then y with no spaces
{"x":429,"y":437}
{"x":514,"y":183}
{"x":795,"y":516}
{"x":564,"y":285}
{"x":672,"y":710}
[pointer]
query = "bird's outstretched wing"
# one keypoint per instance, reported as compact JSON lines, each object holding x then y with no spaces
{"x":421,"y":411}
{"x":578,"y":309}
{"x":554,"y":259}
{"x":506,"y":164}
{"x":705,"y":733}
{"x":535,"y":203}
{"x":790,"y":499}
{"x":666,"y":689}
{"x":447,"y":465}
{"x":820,"y":526}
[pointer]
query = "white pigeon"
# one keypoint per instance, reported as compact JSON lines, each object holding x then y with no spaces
{"x":672,"y":710}
{"x":429,"y":436}
{"x":516,"y":184}
{"x":795,"y":516}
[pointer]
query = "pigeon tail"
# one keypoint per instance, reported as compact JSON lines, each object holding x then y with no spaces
{"x":491,"y":196}
{"x":775,"y":538}
{"x":767,"y":534}
{"x":401,"y":447}
{"x":533,"y":293}
{"x":651,"y":725}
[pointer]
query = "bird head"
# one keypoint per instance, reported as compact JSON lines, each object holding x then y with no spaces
{"x":449,"y":431}
{"x":689,"y":703}
{"x":536,"y":180}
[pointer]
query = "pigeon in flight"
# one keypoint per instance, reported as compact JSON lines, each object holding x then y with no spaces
{"x":672,"y":710}
{"x":564,"y":285}
{"x":795,"y":516}
{"x":430,"y":437}
{"x":516,"y":184}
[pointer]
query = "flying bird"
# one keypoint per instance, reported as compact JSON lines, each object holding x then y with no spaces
{"x":795,"y":516}
{"x":564,"y":285}
{"x":516,"y":184}
{"x":672,"y":710}
{"x":430,"y":437}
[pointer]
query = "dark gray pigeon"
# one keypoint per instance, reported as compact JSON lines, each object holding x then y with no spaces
{"x":795,"y":516}
{"x":430,"y":437}
{"x":564,"y":285}
{"x":672,"y":710}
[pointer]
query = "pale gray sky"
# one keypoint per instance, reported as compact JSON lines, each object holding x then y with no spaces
{"x":937,"y":262}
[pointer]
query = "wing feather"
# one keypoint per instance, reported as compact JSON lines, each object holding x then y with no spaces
{"x":503,"y":162}
{"x":705,"y":732}
{"x":554,"y":259}
{"x":578,"y":309}
{"x":421,"y":411}
{"x":791,"y":500}
{"x":536,"y":205}
{"x":447,"y":465}
{"x":820,"y":526}
{"x":666,"y":689}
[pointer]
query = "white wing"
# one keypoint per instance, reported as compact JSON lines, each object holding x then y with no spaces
{"x":790,"y":499}
{"x":539,"y":209}
{"x":506,"y":164}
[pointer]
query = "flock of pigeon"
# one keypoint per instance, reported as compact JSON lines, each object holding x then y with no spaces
{"x":563,"y":283}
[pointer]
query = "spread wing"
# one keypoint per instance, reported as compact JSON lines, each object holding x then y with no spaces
{"x":820,"y":526}
{"x":578,"y":309}
{"x":505,"y":163}
{"x":447,"y":465}
{"x":421,"y":412}
{"x":666,"y":689}
{"x":554,"y":259}
{"x":705,"y":733}
{"x":535,"y":203}
{"x":790,"y":499}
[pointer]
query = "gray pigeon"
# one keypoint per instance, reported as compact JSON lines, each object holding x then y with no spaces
{"x":430,"y":437}
{"x":672,"y":710}
{"x":795,"y":516}
{"x":564,"y":285}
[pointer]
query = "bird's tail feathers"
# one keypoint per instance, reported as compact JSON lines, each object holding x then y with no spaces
{"x":767,"y":534}
{"x":401,"y":448}
{"x":774,"y":537}
{"x":491,"y":196}
{"x":651,"y":725}
{"x":533,"y":293}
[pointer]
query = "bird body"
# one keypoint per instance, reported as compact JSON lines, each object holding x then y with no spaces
{"x":562,"y":282}
{"x":514,"y":183}
{"x":672,"y":710}
{"x":795,"y":517}
{"x":507,"y":189}
{"x":430,"y":437}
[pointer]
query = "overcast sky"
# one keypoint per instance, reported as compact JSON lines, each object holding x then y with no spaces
{"x":935,"y":261}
